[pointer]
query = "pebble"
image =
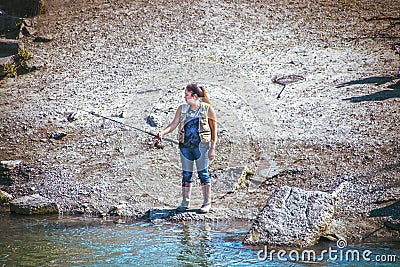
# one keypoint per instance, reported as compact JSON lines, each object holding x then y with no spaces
{"x":9,"y":164}
{"x":5,"y":197}
{"x":58,"y":135}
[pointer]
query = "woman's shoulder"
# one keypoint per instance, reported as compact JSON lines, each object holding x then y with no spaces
{"x":184,"y":107}
{"x":205,"y":105}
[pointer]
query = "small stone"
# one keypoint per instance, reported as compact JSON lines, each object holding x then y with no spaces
{"x":58,"y":135}
{"x":43,"y":39}
{"x":153,"y":120}
{"x":231,"y":179}
{"x":122,"y":209}
{"x":35,"y":63}
{"x":158,"y":214}
{"x":5,"y":61}
{"x":8,"y":165}
{"x":264,"y":172}
{"x":332,"y":238}
{"x":71,"y":116}
{"x":5,"y":197}
{"x":393,"y":224}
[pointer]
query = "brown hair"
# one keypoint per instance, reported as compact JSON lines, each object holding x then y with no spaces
{"x":199,"y":91}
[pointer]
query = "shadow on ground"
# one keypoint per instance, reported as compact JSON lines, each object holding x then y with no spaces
{"x":392,"y":210}
{"x":392,"y":92}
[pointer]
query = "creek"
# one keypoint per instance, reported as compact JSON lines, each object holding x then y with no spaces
{"x":83,"y":241}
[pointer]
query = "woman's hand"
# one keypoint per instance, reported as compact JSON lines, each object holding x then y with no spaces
{"x":211,"y":153}
{"x":159,"y":136}
{"x":157,"y":143}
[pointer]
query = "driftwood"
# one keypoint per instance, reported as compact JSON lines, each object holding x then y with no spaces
{"x":394,"y":21}
{"x":382,"y":18}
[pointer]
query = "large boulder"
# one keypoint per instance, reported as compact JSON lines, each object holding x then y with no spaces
{"x":23,"y":8}
{"x":9,"y":25}
{"x":34,"y":205}
{"x":292,"y":217}
{"x":8,"y":47}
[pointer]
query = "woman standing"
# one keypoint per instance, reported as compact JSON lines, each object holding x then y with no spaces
{"x":197,"y":135}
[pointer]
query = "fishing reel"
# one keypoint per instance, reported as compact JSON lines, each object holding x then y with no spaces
{"x":158,"y":144}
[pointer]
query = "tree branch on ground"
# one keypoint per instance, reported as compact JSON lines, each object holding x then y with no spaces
{"x":381,"y":18}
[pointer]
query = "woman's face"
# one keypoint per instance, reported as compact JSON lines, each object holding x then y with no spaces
{"x":190,"y":98}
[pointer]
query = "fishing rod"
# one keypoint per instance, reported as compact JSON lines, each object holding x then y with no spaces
{"x":130,"y":126}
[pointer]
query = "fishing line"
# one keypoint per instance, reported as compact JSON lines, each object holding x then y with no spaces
{"x":127,"y":125}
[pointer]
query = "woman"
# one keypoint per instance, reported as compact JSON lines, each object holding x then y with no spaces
{"x":197,"y":135}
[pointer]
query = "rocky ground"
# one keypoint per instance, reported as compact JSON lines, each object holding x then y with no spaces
{"x":129,"y":59}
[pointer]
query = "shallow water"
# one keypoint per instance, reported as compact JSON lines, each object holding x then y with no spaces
{"x":80,"y":241}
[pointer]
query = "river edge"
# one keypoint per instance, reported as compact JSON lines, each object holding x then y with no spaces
{"x":139,"y":237}
{"x":317,"y":150}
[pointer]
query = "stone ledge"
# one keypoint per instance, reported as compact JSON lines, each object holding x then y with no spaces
{"x":9,"y":47}
{"x":34,"y":205}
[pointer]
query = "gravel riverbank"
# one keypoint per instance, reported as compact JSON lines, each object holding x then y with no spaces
{"x":130,"y":59}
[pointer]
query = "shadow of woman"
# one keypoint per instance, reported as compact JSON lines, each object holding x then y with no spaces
{"x":376,"y":80}
{"x":393,"y":92}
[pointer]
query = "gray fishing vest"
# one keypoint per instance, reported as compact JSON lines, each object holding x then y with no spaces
{"x":204,"y":127}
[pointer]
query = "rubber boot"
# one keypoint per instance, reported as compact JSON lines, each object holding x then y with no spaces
{"x":186,"y":192}
{"x":206,"y":189}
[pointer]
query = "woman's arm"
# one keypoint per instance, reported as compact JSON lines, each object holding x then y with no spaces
{"x":172,"y":125}
{"x":212,"y":121}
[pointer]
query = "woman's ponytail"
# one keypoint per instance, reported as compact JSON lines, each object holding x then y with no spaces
{"x":199,"y":91}
{"x":205,"y":96}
